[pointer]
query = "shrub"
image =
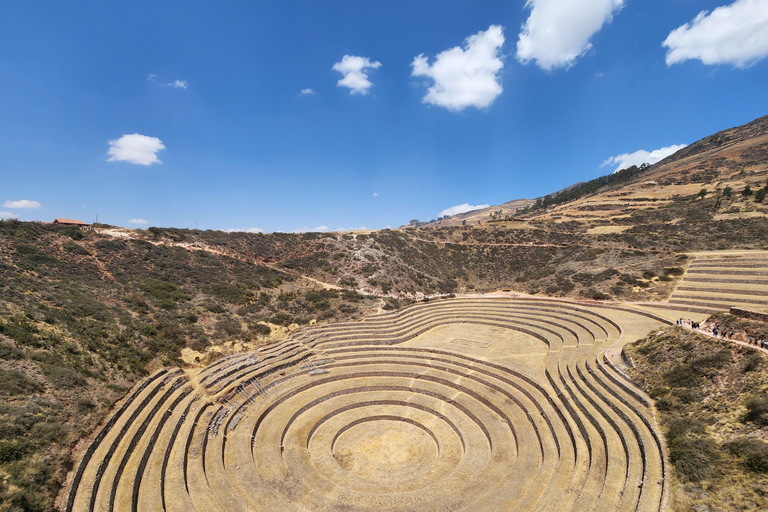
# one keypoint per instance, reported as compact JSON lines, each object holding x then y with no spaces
{"x":167,"y":294}
{"x":61,"y":376}
{"x":9,"y":352}
{"x":754,"y":453}
{"x":261,"y":329}
{"x":75,"y":248}
{"x":228,"y":327}
{"x":22,"y":331}
{"x":14,"y":383}
{"x":351,"y":296}
{"x":757,"y":408}
{"x":282,"y":318}
{"x":235,"y":294}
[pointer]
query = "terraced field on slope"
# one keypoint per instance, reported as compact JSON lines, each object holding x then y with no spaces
{"x":466,"y":404}
{"x":725,"y":279}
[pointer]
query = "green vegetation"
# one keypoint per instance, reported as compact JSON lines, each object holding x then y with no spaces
{"x":712,"y":397}
{"x":590,"y":187}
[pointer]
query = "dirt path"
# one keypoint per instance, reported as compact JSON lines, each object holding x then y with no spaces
{"x":199,"y":246}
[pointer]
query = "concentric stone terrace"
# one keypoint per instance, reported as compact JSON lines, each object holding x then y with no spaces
{"x":477,"y":405}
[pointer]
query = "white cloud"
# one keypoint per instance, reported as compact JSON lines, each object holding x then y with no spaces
{"x":558,"y":31}
{"x":352,"y":67}
{"x":249,"y":230}
{"x":375,"y":194}
{"x":24,"y":203}
{"x":361,"y":228}
{"x":465,"y":77}
{"x":135,"y":149}
{"x":736,"y":34}
{"x":305,"y":92}
{"x":176,"y":84}
{"x":462,"y":208}
{"x":138,"y":221}
{"x":642,"y":157}
{"x":306,"y":229}
{"x":7,"y":215}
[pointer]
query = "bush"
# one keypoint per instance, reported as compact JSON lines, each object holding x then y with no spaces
{"x":352,"y":296}
{"x":757,"y":408}
{"x":14,"y":383}
{"x":13,"y":449}
{"x":261,"y":329}
{"x":694,"y":455}
{"x":62,"y":377}
{"x":754,"y":453}
{"x":75,"y":248}
{"x":167,"y":294}
{"x":235,"y":294}
{"x":9,"y":352}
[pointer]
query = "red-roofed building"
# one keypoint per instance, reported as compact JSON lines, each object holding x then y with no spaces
{"x":72,"y":222}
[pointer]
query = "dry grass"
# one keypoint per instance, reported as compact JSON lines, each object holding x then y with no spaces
{"x":702,"y":388}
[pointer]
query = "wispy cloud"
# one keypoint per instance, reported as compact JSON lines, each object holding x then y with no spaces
{"x":8,"y":215}
{"x":361,"y":228}
{"x":135,"y":149}
{"x":306,"y":92}
{"x":462,"y":208}
{"x":465,"y":77}
{"x":305,"y":229}
{"x":176,"y":84}
{"x":353,"y":68}
{"x":375,"y":194}
{"x":642,"y":157}
{"x":558,"y":31}
{"x":24,"y":203}
{"x":138,"y":221}
{"x":736,"y":34}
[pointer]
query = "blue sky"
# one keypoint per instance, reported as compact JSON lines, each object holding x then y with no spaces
{"x":299,"y":115}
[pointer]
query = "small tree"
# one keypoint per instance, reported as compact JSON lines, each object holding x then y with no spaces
{"x":760,"y":195}
{"x":727,"y":191}
{"x":747,"y":191}
{"x":702,"y":193}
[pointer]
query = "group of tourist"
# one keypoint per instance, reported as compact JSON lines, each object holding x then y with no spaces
{"x":718,"y":332}
{"x":691,"y":324}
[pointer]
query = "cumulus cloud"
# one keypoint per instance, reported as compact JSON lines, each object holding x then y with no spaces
{"x":361,"y":228}
{"x":138,"y":221}
{"x":249,"y":230}
{"x":178,"y":84}
{"x":642,"y":157}
{"x":462,"y":208}
{"x":465,"y":77}
{"x":306,"y":92}
{"x":135,"y":149}
{"x":7,"y":215}
{"x":24,"y":203}
{"x":736,"y":34}
{"x":353,"y":67}
{"x":558,"y":31}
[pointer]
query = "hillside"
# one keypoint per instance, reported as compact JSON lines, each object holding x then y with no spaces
{"x":85,"y":315}
{"x":723,"y":164}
